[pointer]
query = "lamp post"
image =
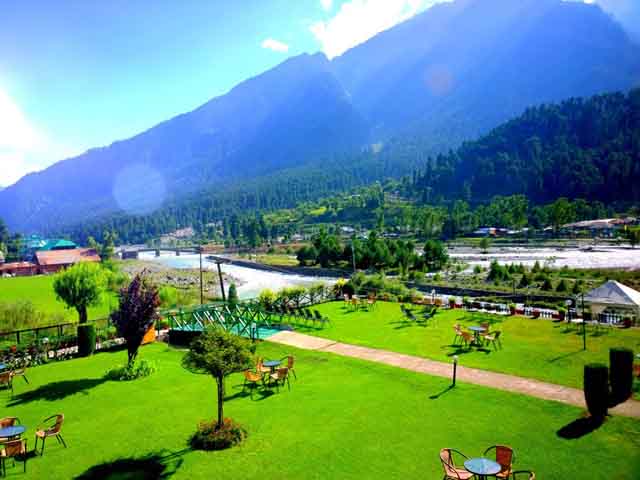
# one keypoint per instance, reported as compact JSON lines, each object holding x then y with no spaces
{"x":584,"y":325}
{"x":455,"y":368}
{"x":201,"y":286}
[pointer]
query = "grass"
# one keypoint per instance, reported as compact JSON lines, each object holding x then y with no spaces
{"x":539,"y":349}
{"x":39,"y":291}
{"x":343,"y":418}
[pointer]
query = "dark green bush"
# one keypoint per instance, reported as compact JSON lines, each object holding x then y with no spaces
{"x":621,"y":373}
{"x":210,"y":436}
{"x":86,"y":340}
{"x":132,"y":371}
{"x":596,"y":389}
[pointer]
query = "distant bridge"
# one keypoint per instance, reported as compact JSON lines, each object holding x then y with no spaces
{"x":134,"y":253}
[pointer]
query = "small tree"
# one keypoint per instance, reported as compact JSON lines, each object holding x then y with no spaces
{"x":484,"y":244}
{"x":136,"y":313}
{"x":435,"y":255}
{"x":80,"y":286}
{"x":232,"y":294}
{"x":219,"y":354}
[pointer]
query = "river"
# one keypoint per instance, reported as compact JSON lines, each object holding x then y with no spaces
{"x":250,"y":281}
{"x":597,"y":257}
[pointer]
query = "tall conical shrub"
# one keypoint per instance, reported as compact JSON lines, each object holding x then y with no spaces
{"x":621,"y":373}
{"x":596,"y":389}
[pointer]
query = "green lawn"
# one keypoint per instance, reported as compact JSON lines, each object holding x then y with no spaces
{"x":342,"y":418}
{"x":538,"y":349}
{"x":39,"y":291}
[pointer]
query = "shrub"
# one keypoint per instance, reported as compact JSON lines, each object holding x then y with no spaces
{"x":232,"y":294}
{"x":348,"y":289}
{"x":621,"y":373}
{"x":267,"y":298}
{"x":562,"y":286}
{"x":86,"y":339}
{"x":132,"y":371}
{"x":477,"y":269}
{"x":547,"y":285}
{"x":596,"y":389}
{"x":210,"y":436}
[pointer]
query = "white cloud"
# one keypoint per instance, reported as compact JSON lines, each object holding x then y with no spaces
{"x":23,"y":147}
{"x":358,"y":20}
{"x":326,"y":4}
{"x":275,"y":45}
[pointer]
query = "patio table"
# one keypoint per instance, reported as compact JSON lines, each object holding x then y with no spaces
{"x":272,"y":364}
{"x":482,"y":467}
{"x":476,"y":333}
{"x":12,"y":432}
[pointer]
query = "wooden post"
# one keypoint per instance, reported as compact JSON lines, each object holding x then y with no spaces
{"x":201,"y":287}
{"x":224,"y":297}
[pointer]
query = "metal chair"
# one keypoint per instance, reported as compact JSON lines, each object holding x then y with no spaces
{"x":290,"y":361}
{"x":11,"y":450}
{"x":494,"y":338}
{"x":280,"y":376}
{"x":53,"y":430}
{"x":451,"y":472}
{"x":251,"y":379}
{"x":505,"y":456}
{"x":6,"y":380}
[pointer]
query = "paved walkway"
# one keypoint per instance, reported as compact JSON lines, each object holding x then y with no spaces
{"x":501,"y":381}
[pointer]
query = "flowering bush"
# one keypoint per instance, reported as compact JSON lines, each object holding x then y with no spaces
{"x":211,"y":436}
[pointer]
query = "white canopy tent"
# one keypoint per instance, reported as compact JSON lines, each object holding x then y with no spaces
{"x":615,"y":299}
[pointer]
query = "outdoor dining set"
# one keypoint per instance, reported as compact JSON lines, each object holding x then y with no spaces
{"x":496,"y":462}
{"x":13,"y":447}
{"x":356,"y":303}
{"x":269,"y":373}
{"x":477,"y":336}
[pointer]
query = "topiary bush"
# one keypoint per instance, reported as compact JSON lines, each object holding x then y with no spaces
{"x":86,"y":339}
{"x":210,"y":436}
{"x":596,"y":389}
{"x":621,"y":373}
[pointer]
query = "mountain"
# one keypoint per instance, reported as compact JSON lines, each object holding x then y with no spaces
{"x":580,"y":148}
{"x":462,"y":68}
{"x":453,"y":72}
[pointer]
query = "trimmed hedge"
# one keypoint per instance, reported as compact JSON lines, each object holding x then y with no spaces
{"x":86,"y":340}
{"x":621,"y":373}
{"x":596,"y":389}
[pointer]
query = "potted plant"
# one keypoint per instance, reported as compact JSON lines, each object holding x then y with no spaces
{"x":512,"y":308}
{"x":452,"y":302}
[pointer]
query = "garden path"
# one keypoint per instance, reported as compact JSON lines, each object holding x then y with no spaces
{"x":501,"y":381}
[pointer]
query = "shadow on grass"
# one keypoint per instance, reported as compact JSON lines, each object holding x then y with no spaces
{"x":154,"y":466}
{"x":462,"y":350}
{"x":439,"y":394}
{"x":564,"y":355}
{"x":579,"y":428}
{"x":254,"y":393}
{"x":56,"y":390}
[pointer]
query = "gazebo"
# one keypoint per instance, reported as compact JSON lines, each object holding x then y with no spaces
{"x":612,"y":302}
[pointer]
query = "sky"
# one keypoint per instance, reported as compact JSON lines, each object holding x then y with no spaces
{"x":77,"y":74}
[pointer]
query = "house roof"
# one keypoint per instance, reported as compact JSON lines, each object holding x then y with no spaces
{"x":58,"y":244}
{"x":66,"y":257}
{"x":14,"y":265}
{"x":614,"y":293}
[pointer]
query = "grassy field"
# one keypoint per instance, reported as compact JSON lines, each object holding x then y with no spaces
{"x":538,"y":349}
{"x":343,"y":418}
{"x":39,"y":291}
